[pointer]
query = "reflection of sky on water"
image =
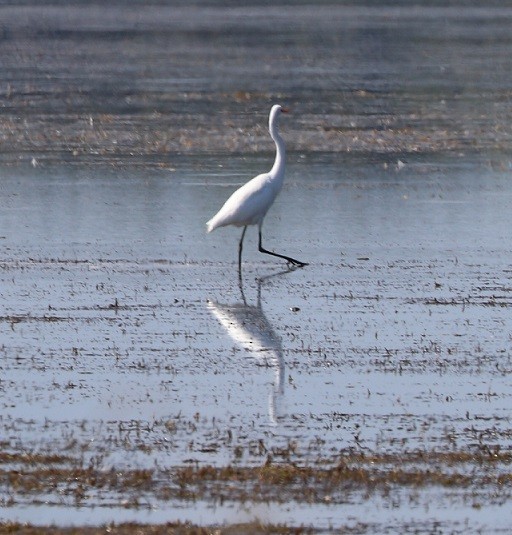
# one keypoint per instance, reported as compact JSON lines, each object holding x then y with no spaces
{"x":400,"y":336}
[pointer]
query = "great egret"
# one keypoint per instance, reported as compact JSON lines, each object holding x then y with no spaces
{"x":249,"y":204}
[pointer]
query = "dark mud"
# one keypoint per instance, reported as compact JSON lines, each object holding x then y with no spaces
{"x":122,"y":84}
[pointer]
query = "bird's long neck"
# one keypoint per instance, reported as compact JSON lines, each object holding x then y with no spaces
{"x":277,"y":170}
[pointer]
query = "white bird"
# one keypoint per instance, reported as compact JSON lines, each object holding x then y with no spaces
{"x":249,"y":204}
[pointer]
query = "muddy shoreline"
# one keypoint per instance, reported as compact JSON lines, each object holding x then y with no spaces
{"x":88,"y":85}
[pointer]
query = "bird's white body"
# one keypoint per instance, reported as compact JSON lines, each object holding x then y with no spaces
{"x":249,"y":204}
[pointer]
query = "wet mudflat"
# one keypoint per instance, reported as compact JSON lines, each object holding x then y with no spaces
{"x":140,"y":382}
{"x":135,"y":82}
{"x":369,"y":390}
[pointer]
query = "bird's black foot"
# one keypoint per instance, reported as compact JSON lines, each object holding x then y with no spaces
{"x":292,"y":263}
{"x":289,"y":260}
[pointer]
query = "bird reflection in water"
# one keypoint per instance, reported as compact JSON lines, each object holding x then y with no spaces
{"x":248,"y":326}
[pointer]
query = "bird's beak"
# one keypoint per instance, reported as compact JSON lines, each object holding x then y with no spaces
{"x":285,"y":110}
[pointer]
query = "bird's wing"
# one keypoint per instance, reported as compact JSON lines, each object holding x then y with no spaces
{"x":247,"y":205}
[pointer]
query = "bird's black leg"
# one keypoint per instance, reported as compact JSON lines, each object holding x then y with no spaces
{"x":240,"y":246}
{"x":290,"y":260}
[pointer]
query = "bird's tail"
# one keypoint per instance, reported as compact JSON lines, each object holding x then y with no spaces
{"x":210,"y":225}
{"x":218,"y":220}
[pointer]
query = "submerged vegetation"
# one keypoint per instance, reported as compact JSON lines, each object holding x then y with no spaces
{"x":25,"y":477}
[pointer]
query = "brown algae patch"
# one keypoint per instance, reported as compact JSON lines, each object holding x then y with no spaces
{"x":26,"y":477}
{"x":174,"y":528}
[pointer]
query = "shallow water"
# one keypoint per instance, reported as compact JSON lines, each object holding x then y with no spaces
{"x":126,"y":340}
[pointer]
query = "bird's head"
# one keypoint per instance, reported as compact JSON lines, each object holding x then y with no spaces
{"x":275,"y":112}
{"x":277,"y":109}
